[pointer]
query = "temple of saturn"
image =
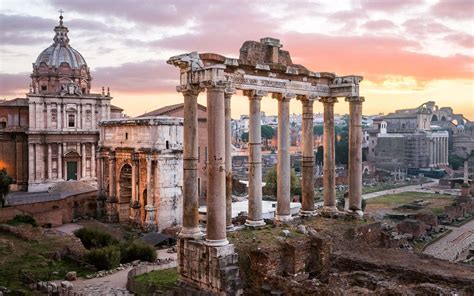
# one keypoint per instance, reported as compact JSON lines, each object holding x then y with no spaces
{"x":263,"y":67}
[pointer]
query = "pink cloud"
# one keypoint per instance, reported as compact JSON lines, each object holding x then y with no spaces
{"x":455,"y":9}
{"x":378,"y":25}
{"x":14,"y":85}
{"x":461,"y":39}
{"x":388,"y":5}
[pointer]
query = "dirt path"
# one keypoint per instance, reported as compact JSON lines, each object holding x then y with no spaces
{"x":115,"y":284}
{"x":452,"y":245}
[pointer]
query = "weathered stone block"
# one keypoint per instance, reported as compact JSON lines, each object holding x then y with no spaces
{"x":413,"y":227}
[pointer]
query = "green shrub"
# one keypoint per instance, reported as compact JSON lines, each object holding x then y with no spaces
{"x":104,"y":258}
{"x":94,"y":238}
{"x":137,"y":251}
{"x":22,"y":219}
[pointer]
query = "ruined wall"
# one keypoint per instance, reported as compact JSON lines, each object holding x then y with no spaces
{"x":55,"y":212}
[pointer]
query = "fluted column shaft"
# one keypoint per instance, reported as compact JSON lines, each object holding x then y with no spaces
{"x":112,"y":176}
{"x":190,"y":161}
{"x":50,"y":162}
{"x":355,"y":153}
{"x":228,"y":158}
{"x":283,"y":159}
{"x":329,"y":156}
{"x":307,"y":182}
{"x":83,"y":161}
{"x":216,"y":202}
{"x":93,"y":161}
{"x":255,"y":160}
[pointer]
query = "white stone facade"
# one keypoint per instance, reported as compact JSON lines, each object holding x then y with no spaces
{"x":141,"y":171}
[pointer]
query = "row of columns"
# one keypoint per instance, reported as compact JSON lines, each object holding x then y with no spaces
{"x":219,"y":160}
{"x":438,"y":151}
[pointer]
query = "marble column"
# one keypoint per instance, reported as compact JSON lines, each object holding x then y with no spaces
{"x":39,"y":164}
{"x":255,"y":218}
{"x":84,"y":163}
{"x":149,"y":200}
{"x":112,"y":188}
{"x":283,"y":213}
{"x":228,"y":157}
{"x":93,"y":161}
{"x":150,"y":208}
{"x":134,"y":181}
{"x":355,"y":154}
{"x":48,"y":123}
{"x":93,"y":118}
{"x":60,"y":161}
{"x":216,"y":203}
{"x":190,"y":227}
{"x":50,"y":162}
{"x":329,"y":156}
{"x":446,"y":154}
{"x":307,"y":164}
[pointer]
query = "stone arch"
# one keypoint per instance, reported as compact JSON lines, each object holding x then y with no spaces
{"x":124,"y":191}
{"x":434,"y":117}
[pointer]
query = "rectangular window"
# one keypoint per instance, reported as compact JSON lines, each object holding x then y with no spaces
{"x":44,"y":87}
{"x":3,"y":124}
{"x":205,"y":155}
{"x":199,"y":154}
{"x":71,"y":122}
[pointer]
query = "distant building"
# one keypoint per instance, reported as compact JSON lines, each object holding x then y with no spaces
{"x":57,"y":119}
{"x":140,"y":171}
{"x":404,"y":139}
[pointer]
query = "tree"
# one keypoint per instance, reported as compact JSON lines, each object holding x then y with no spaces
{"x":245,"y":137}
{"x":318,"y":130}
{"x":267,"y":132}
{"x":455,"y":161}
{"x":320,"y":155}
{"x":5,"y":182}
{"x":271,"y":181}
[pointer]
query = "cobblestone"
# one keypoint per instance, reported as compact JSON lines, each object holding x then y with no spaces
{"x":453,"y":244}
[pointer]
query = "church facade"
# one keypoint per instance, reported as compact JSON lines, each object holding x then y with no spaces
{"x":63,"y":115}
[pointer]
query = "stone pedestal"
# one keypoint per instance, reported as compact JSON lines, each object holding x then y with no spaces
{"x":208,"y":268}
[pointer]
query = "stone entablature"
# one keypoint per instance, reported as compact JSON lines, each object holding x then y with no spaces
{"x":140,"y":171}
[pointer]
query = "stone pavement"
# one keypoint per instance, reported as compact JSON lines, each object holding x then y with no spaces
{"x":453,"y":244}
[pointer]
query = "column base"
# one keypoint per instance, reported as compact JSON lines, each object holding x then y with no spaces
{"x":230,"y":228}
{"x":358,"y":214}
{"x":216,"y":242}
{"x":191,"y":232}
{"x":308,"y":213}
{"x":329,"y":209}
{"x":254,"y":224}
{"x":283,"y":218}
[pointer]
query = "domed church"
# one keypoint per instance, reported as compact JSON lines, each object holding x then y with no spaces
{"x":63,"y":115}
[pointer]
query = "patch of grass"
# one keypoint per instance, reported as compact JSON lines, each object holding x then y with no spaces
{"x":393,"y":200}
{"x":160,"y":278}
{"x":32,"y":257}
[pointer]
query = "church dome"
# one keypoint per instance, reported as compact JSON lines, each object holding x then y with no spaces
{"x":60,"y":51}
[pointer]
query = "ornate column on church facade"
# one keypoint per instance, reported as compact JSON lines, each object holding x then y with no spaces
{"x":216,"y":201}
{"x":60,"y":161}
{"x":190,"y":227}
{"x":307,"y":163}
{"x":93,"y":161}
{"x":283,"y":213}
{"x":84,"y":162}
{"x":329,"y":156}
{"x":50,"y":162}
{"x":228,"y":157}
{"x":58,"y":116}
{"x":355,"y":154}
{"x":31,"y":162}
{"x":255,"y":218}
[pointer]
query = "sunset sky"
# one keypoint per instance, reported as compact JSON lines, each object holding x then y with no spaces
{"x":408,"y":51}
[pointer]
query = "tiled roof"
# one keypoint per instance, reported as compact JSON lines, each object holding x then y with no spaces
{"x":167,"y":109}
{"x":18,"y":102}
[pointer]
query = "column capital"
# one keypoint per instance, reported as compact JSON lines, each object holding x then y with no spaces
{"x":255,"y":94}
{"x":286,"y":97}
{"x":306,"y":98}
{"x":211,"y":85}
{"x":229,"y":91}
{"x":328,"y":100}
{"x":189,"y":89}
{"x":355,"y":99}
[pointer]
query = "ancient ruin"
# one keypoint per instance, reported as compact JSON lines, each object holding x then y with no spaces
{"x":262,"y":68}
